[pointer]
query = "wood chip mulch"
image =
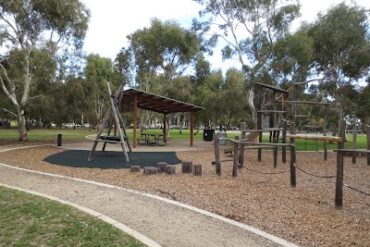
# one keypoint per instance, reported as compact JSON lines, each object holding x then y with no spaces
{"x":304,"y":215}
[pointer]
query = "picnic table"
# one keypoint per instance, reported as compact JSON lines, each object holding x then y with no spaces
{"x":150,"y":139}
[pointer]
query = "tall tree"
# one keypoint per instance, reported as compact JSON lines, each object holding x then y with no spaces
{"x":249,"y":29}
{"x":164,"y":48}
{"x":28,"y":25}
{"x":98,"y":72}
{"x":341,"y":50}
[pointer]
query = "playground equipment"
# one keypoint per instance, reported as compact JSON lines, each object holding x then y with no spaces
{"x":112,"y":116}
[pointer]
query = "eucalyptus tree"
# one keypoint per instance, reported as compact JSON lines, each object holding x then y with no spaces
{"x":100,"y":70}
{"x":341,"y":50}
{"x":164,"y":48}
{"x":249,"y":29}
{"x":29,"y":25}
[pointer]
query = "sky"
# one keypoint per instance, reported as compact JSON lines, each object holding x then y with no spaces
{"x":112,"y":20}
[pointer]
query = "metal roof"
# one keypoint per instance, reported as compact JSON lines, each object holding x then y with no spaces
{"x":153,"y":102}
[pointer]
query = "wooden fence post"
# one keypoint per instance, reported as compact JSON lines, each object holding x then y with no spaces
{"x":259,"y":128}
{"x":283,"y":150}
{"x":236,"y":156}
{"x":275,"y":150}
{"x":293,"y":179}
{"x":354,"y":145}
{"x":339,"y":180}
{"x":325,"y":148}
{"x":216,"y":143}
{"x":243,"y":127}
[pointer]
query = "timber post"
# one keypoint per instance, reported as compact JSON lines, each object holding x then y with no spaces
{"x":293,"y":179}
{"x":216,"y":143}
{"x":165,"y":128}
{"x":236,"y":157}
{"x":285,"y":126}
{"x":134,"y":119}
{"x":354,"y":144}
{"x":192,"y":119}
{"x":283,"y":149}
{"x":243,"y":127}
{"x":259,"y":127}
{"x":325,"y":148}
{"x":340,"y":161}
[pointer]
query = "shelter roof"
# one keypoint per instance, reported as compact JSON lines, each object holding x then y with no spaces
{"x":153,"y":102}
{"x":277,"y":89}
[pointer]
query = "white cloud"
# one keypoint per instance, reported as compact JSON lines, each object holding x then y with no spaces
{"x":112,"y":20}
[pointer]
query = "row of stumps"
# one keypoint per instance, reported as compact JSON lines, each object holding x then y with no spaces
{"x":163,"y":167}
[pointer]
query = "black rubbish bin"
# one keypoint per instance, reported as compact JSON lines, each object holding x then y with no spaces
{"x":208,"y":135}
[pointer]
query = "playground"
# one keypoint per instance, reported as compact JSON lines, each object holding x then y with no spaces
{"x":259,"y":192}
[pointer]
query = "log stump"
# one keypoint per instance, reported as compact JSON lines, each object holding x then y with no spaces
{"x":135,"y":168}
{"x":197,"y":170}
{"x":150,"y":170}
{"x":162,"y":167}
{"x":187,"y":167}
{"x":171,"y":169}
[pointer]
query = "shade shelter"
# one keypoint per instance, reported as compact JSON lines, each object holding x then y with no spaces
{"x":132,"y":99}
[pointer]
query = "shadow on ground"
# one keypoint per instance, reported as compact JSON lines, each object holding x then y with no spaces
{"x":109,"y":160}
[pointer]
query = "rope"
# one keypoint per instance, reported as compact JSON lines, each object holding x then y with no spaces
{"x":313,"y":175}
{"x":357,"y":190}
{"x":265,"y":173}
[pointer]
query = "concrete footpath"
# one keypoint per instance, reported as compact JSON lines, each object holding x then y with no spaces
{"x":166,"y":222}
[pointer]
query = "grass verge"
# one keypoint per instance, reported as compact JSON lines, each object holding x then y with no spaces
{"x":27,"y":220}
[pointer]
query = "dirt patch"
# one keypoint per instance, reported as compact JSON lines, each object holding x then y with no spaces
{"x":305,"y":215}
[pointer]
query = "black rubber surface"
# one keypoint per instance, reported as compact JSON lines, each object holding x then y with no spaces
{"x":109,"y":160}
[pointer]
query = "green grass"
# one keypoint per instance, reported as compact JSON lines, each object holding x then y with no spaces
{"x":38,"y":135}
{"x":46,"y":135}
{"x":27,"y":220}
{"x":309,"y":145}
{"x":49,"y":135}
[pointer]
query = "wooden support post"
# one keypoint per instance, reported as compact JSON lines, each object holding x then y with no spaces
{"x":354,"y":144}
{"x":275,"y":154}
{"x":243,"y":127}
{"x":293,"y":179}
{"x":368,"y":145}
{"x":101,"y":127}
{"x":283,"y":150}
{"x":259,"y":127}
{"x":340,"y":161}
{"x":324,"y":132}
{"x":165,"y":128}
{"x":116,"y":121}
{"x":325,"y":148}
{"x":236,"y":157}
{"x":192,"y":119}
{"x":216,"y":143}
{"x":134,"y":119}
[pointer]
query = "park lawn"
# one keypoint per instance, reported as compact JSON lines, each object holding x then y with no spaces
{"x":79,"y":134}
{"x":49,"y":135}
{"x":37,"y":135}
{"x":27,"y":220}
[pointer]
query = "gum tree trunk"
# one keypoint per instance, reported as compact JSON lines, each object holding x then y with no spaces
{"x":21,"y":125}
